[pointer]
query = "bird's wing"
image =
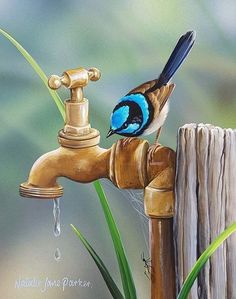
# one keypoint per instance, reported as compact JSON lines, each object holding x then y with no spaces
{"x":165,"y":94}
{"x":159,"y":97}
{"x":142,"y":88}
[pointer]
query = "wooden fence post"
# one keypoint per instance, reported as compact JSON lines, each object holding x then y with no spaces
{"x":205,"y":196}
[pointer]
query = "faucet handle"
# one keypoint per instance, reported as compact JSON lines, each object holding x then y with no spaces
{"x":74,"y":78}
{"x":77,"y":132}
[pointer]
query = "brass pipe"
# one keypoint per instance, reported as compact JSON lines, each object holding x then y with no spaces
{"x":159,"y":206}
{"x":162,"y":258}
{"x":126,"y":164}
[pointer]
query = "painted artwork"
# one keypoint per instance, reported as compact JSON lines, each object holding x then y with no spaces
{"x":118,"y":150}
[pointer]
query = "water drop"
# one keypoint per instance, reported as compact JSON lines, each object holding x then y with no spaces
{"x":57,"y":225}
{"x":56,"y":215}
{"x":57,"y":254}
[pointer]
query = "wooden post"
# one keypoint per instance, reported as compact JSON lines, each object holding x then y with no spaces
{"x":205,"y":206}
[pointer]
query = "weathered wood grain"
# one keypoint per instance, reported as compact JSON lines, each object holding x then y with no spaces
{"x":203,"y":203}
{"x":187,"y":203}
{"x":205,"y":206}
{"x":179,"y":206}
{"x":230,"y":197}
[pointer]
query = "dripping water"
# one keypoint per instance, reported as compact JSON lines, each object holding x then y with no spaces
{"x":57,"y":254}
{"x":56,"y":215}
{"x":57,"y":225}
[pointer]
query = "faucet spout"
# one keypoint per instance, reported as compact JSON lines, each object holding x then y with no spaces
{"x":81,"y":165}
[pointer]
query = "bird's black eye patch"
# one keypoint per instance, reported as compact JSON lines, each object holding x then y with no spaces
{"x":135,"y":113}
{"x":124,"y":126}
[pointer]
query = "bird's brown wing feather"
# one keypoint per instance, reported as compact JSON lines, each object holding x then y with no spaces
{"x":142,"y":88}
{"x":158,"y":100}
{"x":159,"y":97}
{"x":167,"y":91}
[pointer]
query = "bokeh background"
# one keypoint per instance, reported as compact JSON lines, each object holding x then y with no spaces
{"x":129,"y":41}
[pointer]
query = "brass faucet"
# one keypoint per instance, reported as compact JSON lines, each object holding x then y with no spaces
{"x":129,"y":163}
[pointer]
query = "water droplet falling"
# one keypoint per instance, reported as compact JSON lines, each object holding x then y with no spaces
{"x":57,"y":225}
{"x":57,"y":254}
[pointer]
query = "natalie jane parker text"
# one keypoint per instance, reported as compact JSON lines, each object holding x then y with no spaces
{"x":47,"y":283}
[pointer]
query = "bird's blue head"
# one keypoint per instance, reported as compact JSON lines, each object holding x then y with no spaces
{"x":126,"y":118}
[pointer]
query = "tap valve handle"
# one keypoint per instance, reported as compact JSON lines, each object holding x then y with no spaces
{"x":74,"y":78}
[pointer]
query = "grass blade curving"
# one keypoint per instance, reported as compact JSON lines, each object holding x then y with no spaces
{"x":126,"y":276}
{"x":203,"y":259}
{"x":115,"y":292}
{"x":38,"y":70}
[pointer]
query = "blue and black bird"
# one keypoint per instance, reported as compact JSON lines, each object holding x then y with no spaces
{"x":144,"y":109}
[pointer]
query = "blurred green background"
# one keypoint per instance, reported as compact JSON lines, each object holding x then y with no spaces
{"x":129,"y":41}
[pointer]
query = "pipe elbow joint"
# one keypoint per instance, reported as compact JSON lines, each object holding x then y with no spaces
{"x":159,"y":196}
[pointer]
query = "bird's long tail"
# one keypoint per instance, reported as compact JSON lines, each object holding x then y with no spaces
{"x":178,"y":55}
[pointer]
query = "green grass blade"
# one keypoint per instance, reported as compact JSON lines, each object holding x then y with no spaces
{"x":38,"y":70}
{"x":115,"y":292}
{"x":203,"y":259}
{"x":126,"y":276}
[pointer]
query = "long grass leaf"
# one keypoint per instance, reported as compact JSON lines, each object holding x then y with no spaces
{"x":115,"y":292}
{"x":126,"y":276}
{"x":38,"y":70}
{"x":203,"y":259}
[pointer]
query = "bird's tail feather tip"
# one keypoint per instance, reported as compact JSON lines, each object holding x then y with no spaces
{"x":178,"y":55}
{"x":191,"y":33}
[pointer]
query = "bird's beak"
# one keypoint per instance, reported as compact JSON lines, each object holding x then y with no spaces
{"x":110,"y":132}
